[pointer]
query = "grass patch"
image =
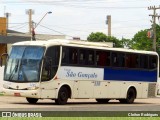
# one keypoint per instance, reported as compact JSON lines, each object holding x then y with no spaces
{"x":1,"y":94}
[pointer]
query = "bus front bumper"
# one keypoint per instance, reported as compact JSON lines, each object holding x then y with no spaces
{"x":21,"y":93}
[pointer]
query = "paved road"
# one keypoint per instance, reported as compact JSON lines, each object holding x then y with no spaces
{"x":18,"y":104}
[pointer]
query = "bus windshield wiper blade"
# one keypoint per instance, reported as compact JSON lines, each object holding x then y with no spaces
{"x":13,"y":71}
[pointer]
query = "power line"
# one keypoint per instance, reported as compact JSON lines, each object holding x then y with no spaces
{"x":77,"y":4}
{"x":20,"y":24}
{"x":55,"y":30}
{"x":21,"y":27}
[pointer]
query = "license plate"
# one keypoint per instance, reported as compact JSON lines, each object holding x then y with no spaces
{"x":17,"y":94}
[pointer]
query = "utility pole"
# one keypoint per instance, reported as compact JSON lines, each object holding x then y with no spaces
{"x":154,"y":16}
{"x":108,"y":22}
{"x":7,"y":19}
{"x":36,"y":25}
{"x":30,"y":12}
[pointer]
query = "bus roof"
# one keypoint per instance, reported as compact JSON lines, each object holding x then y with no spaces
{"x":79,"y":43}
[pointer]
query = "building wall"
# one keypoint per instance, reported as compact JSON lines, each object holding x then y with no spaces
{"x":3,"y":49}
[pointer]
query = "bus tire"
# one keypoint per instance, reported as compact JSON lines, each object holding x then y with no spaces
{"x":102,"y":100}
{"x":63,"y":96}
{"x":131,"y":95}
{"x":32,"y":100}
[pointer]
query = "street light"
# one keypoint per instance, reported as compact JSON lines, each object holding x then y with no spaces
{"x":33,"y":28}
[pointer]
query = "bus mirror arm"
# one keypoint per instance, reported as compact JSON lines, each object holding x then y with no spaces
{"x":1,"y":59}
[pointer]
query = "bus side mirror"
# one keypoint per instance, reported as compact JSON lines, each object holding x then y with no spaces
{"x":3,"y":58}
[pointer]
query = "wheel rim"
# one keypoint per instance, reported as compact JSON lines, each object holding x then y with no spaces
{"x":63,"y":96}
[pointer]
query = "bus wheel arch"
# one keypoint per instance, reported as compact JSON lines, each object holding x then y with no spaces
{"x":63,"y":94}
{"x":131,"y":95}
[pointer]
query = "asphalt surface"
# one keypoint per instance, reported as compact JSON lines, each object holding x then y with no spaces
{"x":18,"y":104}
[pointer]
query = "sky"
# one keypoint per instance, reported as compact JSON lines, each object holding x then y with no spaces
{"x":79,"y":18}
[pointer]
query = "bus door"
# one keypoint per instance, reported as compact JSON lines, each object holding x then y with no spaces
{"x":49,"y":70}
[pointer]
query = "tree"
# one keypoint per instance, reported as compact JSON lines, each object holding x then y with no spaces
{"x":126,"y":43}
{"x":97,"y":37}
{"x":158,"y":38}
{"x":140,"y":41}
{"x":101,"y":37}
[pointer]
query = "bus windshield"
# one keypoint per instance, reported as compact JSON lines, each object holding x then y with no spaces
{"x":24,"y":64}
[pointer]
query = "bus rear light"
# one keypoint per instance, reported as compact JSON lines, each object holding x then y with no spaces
{"x":17,"y":94}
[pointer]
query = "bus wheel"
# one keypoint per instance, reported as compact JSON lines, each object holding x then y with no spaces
{"x":131,"y":95}
{"x":63,"y":96}
{"x":102,"y":100}
{"x":32,"y":100}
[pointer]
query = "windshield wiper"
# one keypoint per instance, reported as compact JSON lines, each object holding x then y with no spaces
{"x":13,"y":71}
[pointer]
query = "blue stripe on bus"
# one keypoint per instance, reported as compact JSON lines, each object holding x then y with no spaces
{"x":130,"y":75}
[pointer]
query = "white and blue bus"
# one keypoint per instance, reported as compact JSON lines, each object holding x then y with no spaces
{"x":63,"y":69}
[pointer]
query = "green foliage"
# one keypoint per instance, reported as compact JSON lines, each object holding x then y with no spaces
{"x":97,"y":37}
{"x":126,"y":43}
{"x":101,"y":37}
{"x":140,"y":41}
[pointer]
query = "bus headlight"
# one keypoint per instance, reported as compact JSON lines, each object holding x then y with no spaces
{"x":32,"y":88}
{"x":5,"y":86}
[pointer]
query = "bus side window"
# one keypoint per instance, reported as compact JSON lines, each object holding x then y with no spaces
{"x":128,"y":61}
{"x":97,"y":58}
{"x":73,"y":55}
{"x":108,"y":59}
{"x":132,"y":60}
{"x":114,"y":59}
{"x":152,"y":62}
{"x":91,"y":57}
{"x":65,"y":56}
{"x":101,"y":58}
{"x":121,"y":61}
{"x":82,"y":56}
{"x":143,"y":61}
